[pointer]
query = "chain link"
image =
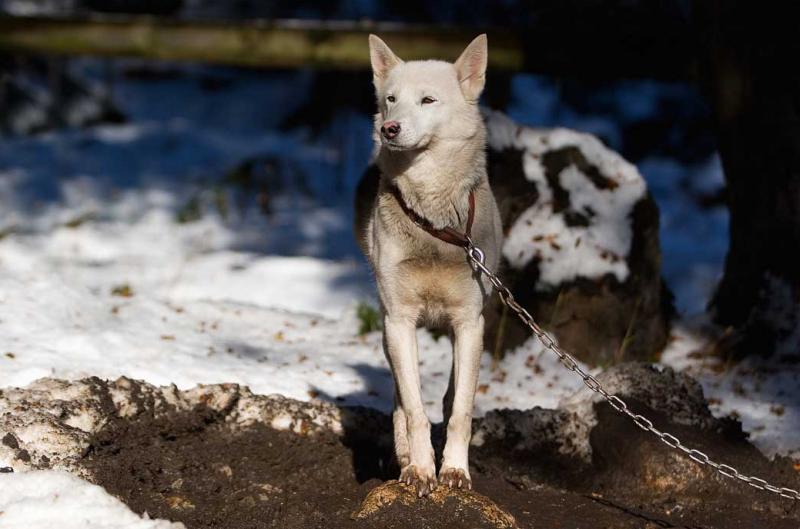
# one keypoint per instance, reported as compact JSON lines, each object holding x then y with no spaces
{"x":476,"y":257}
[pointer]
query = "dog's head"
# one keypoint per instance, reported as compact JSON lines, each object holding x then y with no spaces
{"x":423,"y":102}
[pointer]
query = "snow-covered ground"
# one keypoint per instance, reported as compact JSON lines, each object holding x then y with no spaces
{"x":142,"y":295}
{"x":101,"y":274}
{"x":47,"y":499}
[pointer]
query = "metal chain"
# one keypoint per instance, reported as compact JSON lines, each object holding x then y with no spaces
{"x":476,"y":256}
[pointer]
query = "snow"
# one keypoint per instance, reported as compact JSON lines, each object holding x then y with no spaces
{"x":206,"y":307}
{"x":45,"y":499}
{"x":693,"y":241}
{"x":565,"y":253}
{"x":99,"y":278}
{"x":758,"y":393}
{"x":277,"y":324}
{"x":782,"y":311}
{"x":262,"y":300}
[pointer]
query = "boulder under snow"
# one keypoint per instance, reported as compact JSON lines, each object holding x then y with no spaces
{"x":581,"y":247}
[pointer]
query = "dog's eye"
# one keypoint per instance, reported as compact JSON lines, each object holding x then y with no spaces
{"x":427,"y":100}
{"x":390,"y":99}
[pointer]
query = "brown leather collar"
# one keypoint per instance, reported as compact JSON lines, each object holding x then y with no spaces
{"x":448,"y":235}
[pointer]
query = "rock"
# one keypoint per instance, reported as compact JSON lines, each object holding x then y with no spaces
{"x":566,"y":431}
{"x":582,"y":250}
{"x":402,"y":500}
{"x":662,"y":389}
{"x":659,"y":390}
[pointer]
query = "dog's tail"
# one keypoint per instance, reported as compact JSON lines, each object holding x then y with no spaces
{"x":366,"y":193}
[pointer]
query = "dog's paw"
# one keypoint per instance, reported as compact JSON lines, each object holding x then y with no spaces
{"x":423,"y":480}
{"x":455,"y":478}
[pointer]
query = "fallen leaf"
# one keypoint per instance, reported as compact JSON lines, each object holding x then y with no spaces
{"x":777,"y":409}
{"x":179,"y":502}
{"x":124,"y":291}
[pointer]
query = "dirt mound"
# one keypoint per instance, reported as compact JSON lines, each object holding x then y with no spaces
{"x":190,"y":467}
{"x":394,"y":500}
{"x":218,"y":456}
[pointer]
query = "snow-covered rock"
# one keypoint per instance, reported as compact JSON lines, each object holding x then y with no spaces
{"x":581,"y":247}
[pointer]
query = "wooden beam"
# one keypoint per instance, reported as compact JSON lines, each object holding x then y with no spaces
{"x":278,"y":43}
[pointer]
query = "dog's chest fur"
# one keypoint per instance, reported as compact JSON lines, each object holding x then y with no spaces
{"x":422,"y":276}
{"x":420,"y":270}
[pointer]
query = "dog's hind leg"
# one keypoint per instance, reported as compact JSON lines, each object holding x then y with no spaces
{"x":400,"y":342}
{"x":466,"y":365}
{"x":447,"y":401}
{"x":401,"y":448}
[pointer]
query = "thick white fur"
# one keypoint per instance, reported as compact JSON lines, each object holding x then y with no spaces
{"x":435,"y":161}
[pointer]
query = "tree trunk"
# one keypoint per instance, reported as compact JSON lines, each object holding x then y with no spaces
{"x":751,"y":77}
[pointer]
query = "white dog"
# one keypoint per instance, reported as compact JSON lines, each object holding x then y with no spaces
{"x":433,"y":191}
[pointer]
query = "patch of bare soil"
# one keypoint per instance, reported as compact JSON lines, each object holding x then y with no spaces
{"x":190,"y":466}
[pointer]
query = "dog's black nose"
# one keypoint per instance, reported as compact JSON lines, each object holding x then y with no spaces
{"x":390,"y":129}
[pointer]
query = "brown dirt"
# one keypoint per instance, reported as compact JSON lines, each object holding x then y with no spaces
{"x":193,"y":467}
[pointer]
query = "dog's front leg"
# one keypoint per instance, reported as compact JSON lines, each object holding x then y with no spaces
{"x":466,"y":365}
{"x":400,"y":342}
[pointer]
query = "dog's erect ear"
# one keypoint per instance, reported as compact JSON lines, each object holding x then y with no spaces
{"x":383,"y":60}
{"x":471,"y":68}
